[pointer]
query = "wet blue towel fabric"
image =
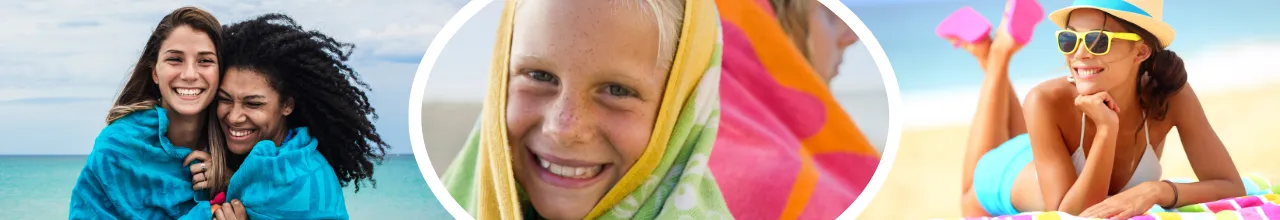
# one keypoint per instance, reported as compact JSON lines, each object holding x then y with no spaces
{"x":293,"y":181}
{"x":135,"y":172}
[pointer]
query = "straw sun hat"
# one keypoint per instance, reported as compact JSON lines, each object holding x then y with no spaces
{"x":1146,"y":14}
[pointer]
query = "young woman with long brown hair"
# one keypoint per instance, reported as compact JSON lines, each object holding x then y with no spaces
{"x":160,"y":116}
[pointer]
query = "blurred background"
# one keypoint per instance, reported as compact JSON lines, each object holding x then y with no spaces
{"x":457,"y":85}
{"x":1229,"y":48}
{"x":62,"y":63}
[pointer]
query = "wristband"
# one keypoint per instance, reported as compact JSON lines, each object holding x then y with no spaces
{"x":1175,"y":195}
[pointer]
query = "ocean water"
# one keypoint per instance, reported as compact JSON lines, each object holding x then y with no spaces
{"x":39,"y":187}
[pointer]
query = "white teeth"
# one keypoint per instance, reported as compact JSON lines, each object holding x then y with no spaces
{"x":188,"y":92}
{"x":241,"y":133}
{"x":570,"y":172}
{"x":1086,"y":72}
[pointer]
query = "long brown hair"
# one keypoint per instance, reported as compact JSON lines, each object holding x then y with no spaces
{"x":140,"y":93}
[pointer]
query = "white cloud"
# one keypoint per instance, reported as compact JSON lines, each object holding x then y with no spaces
{"x":382,"y":29}
{"x":65,"y":45}
{"x":399,"y":39}
{"x":1226,"y":66}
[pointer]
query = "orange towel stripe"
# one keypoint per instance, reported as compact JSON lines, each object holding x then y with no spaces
{"x":784,"y":62}
{"x":802,"y":189}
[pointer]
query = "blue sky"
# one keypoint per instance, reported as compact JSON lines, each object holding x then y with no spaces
{"x":1223,"y":42}
{"x":921,"y":60}
{"x":63,"y":61}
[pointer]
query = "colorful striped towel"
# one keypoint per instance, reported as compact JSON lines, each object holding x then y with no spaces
{"x":786,"y":149}
{"x":1242,"y":208}
{"x":1262,"y":202}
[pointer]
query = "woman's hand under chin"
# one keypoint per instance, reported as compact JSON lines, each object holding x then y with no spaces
{"x":1129,"y":203}
{"x":1100,"y":107}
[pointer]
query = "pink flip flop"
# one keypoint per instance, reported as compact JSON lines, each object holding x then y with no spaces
{"x":964,"y":24}
{"x":1023,"y":16}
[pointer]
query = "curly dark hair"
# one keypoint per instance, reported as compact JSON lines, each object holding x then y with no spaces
{"x":309,"y":68}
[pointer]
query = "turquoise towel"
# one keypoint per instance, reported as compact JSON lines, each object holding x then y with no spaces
{"x":134,"y":172}
{"x":293,"y":181}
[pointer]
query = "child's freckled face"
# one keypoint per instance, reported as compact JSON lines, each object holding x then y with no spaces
{"x":583,"y":95}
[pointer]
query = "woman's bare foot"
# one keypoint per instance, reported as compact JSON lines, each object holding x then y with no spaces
{"x":1004,"y":46}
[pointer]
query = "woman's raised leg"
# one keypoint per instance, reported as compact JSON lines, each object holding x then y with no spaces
{"x":999,"y":114}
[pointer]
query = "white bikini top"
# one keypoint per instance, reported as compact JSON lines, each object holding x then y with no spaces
{"x":1148,"y":167}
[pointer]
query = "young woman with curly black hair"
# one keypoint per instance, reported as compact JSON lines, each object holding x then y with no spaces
{"x":294,"y":114}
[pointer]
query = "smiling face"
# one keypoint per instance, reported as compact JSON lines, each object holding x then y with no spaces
{"x":251,"y":110}
{"x":186,"y":71}
{"x":583,"y":95}
{"x":828,"y":38}
{"x":1117,"y":68}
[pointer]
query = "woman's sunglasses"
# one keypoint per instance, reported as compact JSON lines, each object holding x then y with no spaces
{"x":1099,"y":42}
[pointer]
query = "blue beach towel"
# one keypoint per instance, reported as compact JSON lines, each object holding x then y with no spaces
{"x":135,"y":172}
{"x":293,"y":181}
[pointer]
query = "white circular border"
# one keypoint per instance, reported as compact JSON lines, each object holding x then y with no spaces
{"x":895,"y":105}
{"x":418,"y":90}
{"x":415,"y":106}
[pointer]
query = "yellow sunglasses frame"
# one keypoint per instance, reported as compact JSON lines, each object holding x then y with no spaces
{"x":1110,"y":37}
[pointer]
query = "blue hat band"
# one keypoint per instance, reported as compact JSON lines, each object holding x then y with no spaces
{"x":1119,"y":5}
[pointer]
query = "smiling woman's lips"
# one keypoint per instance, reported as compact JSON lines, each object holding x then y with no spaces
{"x":240,"y":134}
{"x":188,"y":93}
{"x":1087,"y":72}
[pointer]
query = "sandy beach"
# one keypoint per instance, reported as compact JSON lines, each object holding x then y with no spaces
{"x":925,"y":179}
{"x":445,"y":127}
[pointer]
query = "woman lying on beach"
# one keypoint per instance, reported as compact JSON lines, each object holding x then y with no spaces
{"x":162,"y":114}
{"x":596,"y":110}
{"x":1096,"y":135}
{"x":779,"y":58}
{"x":295,"y":121}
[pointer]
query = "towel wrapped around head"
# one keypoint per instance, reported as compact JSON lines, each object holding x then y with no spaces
{"x":670,"y":179}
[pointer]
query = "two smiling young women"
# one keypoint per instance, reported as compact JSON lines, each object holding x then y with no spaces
{"x":273,"y":119}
